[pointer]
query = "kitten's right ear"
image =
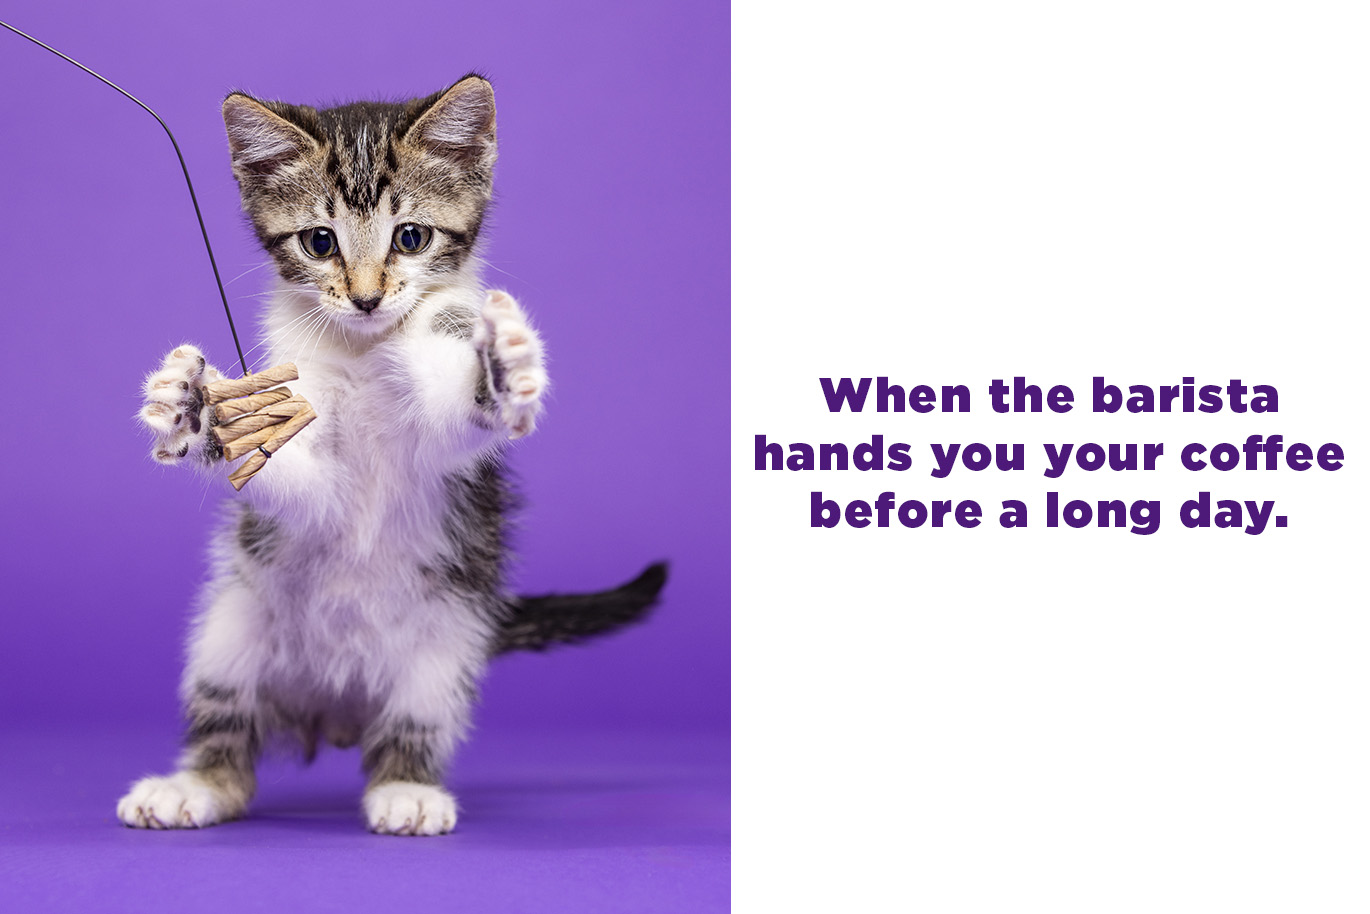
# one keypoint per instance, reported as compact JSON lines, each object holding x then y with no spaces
{"x":261,"y":140}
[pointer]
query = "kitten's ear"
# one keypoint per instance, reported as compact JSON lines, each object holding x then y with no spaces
{"x":458,"y":123}
{"x":261,"y":140}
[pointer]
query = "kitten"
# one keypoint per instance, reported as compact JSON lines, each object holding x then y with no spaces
{"x":358,"y":586}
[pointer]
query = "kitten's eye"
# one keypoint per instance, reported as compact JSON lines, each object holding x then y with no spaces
{"x":411,"y":238}
{"x":319,"y":242}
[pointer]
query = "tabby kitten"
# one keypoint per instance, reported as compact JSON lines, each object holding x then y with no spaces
{"x":358,"y":586}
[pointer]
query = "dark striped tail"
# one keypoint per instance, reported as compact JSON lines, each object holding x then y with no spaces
{"x":537,"y":623}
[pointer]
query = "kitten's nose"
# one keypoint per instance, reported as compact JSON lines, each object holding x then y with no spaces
{"x":367,"y":305}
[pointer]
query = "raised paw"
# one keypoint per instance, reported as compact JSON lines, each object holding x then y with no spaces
{"x":512,"y":354}
{"x":181,"y":800}
{"x":404,"y":808}
{"x":175,"y":409}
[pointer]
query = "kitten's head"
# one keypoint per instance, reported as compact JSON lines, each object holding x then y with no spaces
{"x":372,"y":204}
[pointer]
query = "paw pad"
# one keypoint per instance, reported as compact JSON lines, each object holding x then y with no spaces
{"x":513,"y":359}
{"x":175,"y":401}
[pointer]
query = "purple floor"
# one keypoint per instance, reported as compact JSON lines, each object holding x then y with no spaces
{"x":560,"y":822}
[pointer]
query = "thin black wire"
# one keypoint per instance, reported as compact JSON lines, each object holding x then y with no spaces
{"x":185,"y":171}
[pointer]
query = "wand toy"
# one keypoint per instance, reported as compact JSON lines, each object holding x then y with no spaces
{"x":250,"y":415}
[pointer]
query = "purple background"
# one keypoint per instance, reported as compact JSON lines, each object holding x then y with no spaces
{"x":597,"y":776}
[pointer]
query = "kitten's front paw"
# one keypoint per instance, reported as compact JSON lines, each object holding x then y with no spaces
{"x":181,"y":800}
{"x":175,"y":410}
{"x":404,"y":808}
{"x":512,"y":354}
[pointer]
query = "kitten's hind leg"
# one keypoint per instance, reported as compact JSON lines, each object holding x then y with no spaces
{"x":511,"y":352}
{"x":404,"y":761}
{"x":175,"y":411}
{"x":216,"y":779}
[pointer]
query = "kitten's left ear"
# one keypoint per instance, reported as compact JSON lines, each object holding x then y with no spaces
{"x":458,"y":123}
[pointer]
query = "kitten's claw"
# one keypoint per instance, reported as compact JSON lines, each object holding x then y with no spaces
{"x":181,"y":800}
{"x":403,"y":808}
{"x":175,"y":410}
{"x":513,"y":358}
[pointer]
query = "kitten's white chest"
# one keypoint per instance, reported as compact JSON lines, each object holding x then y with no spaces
{"x":351,"y":547}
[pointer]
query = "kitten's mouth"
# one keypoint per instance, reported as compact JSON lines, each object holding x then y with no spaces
{"x":352,"y":317}
{"x":370,"y":321}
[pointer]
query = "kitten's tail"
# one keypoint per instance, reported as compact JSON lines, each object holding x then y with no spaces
{"x":537,"y":623}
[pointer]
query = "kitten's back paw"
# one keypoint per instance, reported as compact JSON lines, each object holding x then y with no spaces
{"x":181,"y":800}
{"x":175,"y":410}
{"x":404,"y":808}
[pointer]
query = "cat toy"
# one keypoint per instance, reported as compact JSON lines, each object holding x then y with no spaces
{"x":252,"y":413}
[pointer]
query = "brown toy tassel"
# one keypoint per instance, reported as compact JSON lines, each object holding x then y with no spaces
{"x":263,"y":418}
{"x":254,"y":421}
{"x":229,"y":388}
{"x":240,"y":444}
{"x":280,"y":434}
{"x":230,"y":410}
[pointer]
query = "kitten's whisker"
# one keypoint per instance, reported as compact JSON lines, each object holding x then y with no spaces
{"x":298,"y":340}
{"x":296,"y":320}
{"x":280,"y":348}
{"x":324,"y":326}
{"x":281,"y":331}
{"x":248,"y":270}
{"x":272,"y":293}
{"x":485,"y":263}
{"x":277,"y":334}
